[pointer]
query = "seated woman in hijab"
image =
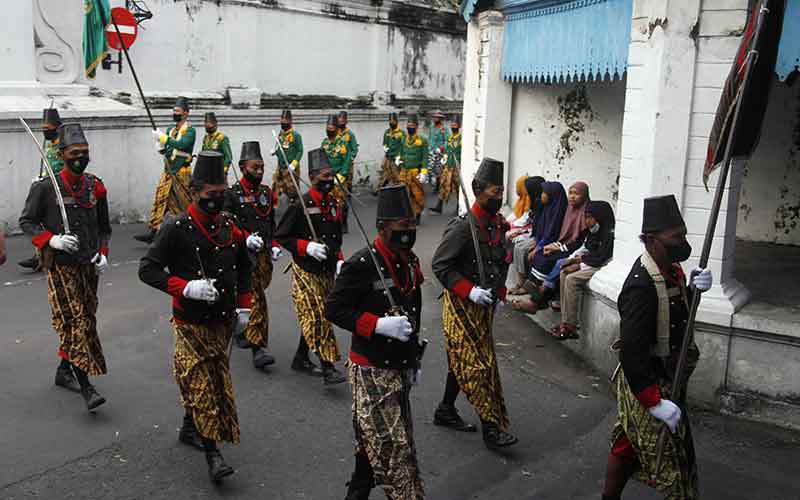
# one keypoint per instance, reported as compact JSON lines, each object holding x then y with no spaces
{"x":544,"y":269}
{"x":522,"y":229}
{"x":578,"y":269}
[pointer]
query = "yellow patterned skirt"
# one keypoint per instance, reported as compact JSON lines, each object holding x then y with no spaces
{"x":408,"y":176}
{"x":388,"y":173}
{"x":448,"y":183}
{"x":204,"y":378}
{"x":470,"y":354}
{"x":384,"y":430}
{"x":309,"y":291}
{"x":172,"y":196}
{"x":282,"y":183}
{"x":339,"y":194}
{"x":72,"y":293}
{"x":677,"y":477}
{"x":257,"y":330}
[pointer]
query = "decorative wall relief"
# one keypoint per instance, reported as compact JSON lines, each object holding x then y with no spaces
{"x":56,"y":60}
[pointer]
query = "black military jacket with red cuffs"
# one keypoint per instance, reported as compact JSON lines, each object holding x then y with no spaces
{"x":193,"y":246}
{"x":358,"y":300}
{"x":638,"y":312}
{"x":294,"y":234}
{"x":86,"y":203}
{"x":455,"y":264}
{"x":253,"y":208}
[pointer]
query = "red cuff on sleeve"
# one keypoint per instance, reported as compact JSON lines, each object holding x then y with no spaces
{"x":244,"y":300}
{"x":365,"y":325}
{"x":42,"y":239}
{"x":302,"y":245}
{"x":175,"y":286}
{"x":650,"y":396}
{"x":501,"y":293}
{"x":239,"y":236}
{"x":104,"y":251}
{"x":275,"y":244}
{"x":341,"y":254}
{"x":463,"y":288}
{"x":100,"y":191}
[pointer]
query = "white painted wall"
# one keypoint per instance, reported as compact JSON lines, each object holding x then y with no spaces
{"x":568,"y":143}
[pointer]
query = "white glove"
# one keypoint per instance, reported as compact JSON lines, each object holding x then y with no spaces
{"x":157,"y":133}
{"x":100,"y":263}
{"x":386,"y":149}
{"x":481,"y":296}
{"x":395,"y":327}
{"x":339,"y":265}
{"x":422,"y":178}
{"x":398,"y":161}
{"x":702,"y":279}
{"x":201,"y":290}
{"x":277,"y":253}
{"x":65,"y":242}
{"x":158,"y":147}
{"x":668,"y":412}
{"x":317,"y":251}
{"x":254,"y":243}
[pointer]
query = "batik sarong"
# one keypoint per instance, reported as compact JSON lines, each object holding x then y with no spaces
{"x":309,"y":291}
{"x":172,"y":196}
{"x":409,"y":178}
{"x":257,"y":330}
{"x":448,"y":183}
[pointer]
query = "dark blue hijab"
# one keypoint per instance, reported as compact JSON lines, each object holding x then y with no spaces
{"x":548,"y":223}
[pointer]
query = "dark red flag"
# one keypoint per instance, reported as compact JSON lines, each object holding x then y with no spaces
{"x":754,"y":101}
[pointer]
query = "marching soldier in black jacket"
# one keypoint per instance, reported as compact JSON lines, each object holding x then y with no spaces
{"x":253,"y":206}
{"x":209,"y":281}
{"x":384,"y":354}
{"x":654,"y":309}
{"x":73,"y":260}
{"x":469,"y":305}
{"x":314,"y":266}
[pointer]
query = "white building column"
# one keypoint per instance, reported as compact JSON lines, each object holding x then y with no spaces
{"x":487,"y":97}
{"x":17,"y":52}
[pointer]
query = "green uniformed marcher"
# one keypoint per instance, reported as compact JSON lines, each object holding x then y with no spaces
{"x":172,"y":194}
{"x":292,"y":145}
{"x":214,"y":140}
{"x":451,"y":165}
{"x":348,"y":138}
{"x":50,"y":123}
{"x":392,"y":146}
{"x":340,"y":159}
{"x":414,"y":164}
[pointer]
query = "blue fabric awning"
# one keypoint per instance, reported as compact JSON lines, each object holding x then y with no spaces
{"x":789,"y":51}
{"x":567,"y":40}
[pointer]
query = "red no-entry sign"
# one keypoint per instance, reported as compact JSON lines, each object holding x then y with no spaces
{"x":128,"y":29}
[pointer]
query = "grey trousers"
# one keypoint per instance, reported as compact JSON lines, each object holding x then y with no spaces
{"x":521,"y":249}
{"x":571,"y":289}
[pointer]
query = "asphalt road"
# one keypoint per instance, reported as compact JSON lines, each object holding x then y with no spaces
{"x":296,"y":435}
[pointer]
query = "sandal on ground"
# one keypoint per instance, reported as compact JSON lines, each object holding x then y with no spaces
{"x":525,"y":306}
{"x":517,"y":290}
{"x":562,"y":332}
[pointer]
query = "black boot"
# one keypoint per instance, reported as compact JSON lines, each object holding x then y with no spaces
{"x":146,"y":237}
{"x":32,"y":263}
{"x":65,"y":378}
{"x":330,"y":375}
{"x":494,"y":438}
{"x":188,"y":434}
{"x":447,"y":416}
{"x":261,"y":358}
{"x":217,"y":468}
{"x":438,"y":208}
{"x":90,"y":395}
{"x":301,"y":363}
{"x":362,"y":481}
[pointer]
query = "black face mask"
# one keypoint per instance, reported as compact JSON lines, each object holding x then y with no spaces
{"x":411,"y":130}
{"x":392,"y":126}
{"x":211,"y":130}
{"x":331,"y":134}
{"x":176,"y":117}
{"x":325,"y":187}
{"x":212,"y":205}
{"x":680,"y":252}
{"x":286,"y":126}
{"x":255,"y":180}
{"x":493,"y":205}
{"x":454,"y":130}
{"x":50,"y":134}
{"x":342,"y":125}
{"x":404,"y":239}
{"x":78,"y":165}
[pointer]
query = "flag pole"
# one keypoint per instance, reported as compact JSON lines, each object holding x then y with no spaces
{"x":688,"y":336}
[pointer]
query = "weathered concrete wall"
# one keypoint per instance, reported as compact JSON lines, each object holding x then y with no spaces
{"x":567,"y":133}
{"x":769,"y":205}
{"x":344,"y":48}
{"x":122,"y":152}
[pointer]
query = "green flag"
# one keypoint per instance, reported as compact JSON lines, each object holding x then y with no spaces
{"x":94,"y":36}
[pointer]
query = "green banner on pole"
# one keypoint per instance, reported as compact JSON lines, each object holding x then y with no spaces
{"x":95,"y":44}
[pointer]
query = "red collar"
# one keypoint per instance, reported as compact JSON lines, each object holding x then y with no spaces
{"x":202,"y":217}
{"x":70,"y":178}
{"x":391,"y":258}
{"x":317,"y":197}
{"x":387,"y":252}
{"x":248,"y":188}
{"x":482,"y":215}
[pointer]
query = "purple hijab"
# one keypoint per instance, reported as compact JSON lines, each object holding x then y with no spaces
{"x":548,"y":223}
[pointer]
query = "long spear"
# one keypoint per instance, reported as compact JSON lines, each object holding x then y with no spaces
{"x":688,"y":336}
{"x":472,"y":229}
